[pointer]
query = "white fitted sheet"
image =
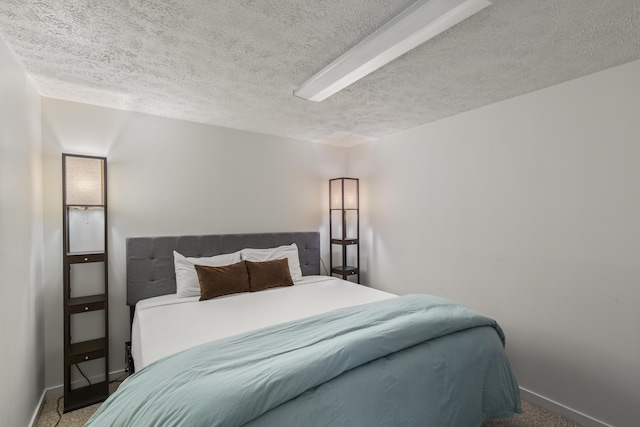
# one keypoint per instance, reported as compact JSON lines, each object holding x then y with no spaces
{"x":167,"y":324}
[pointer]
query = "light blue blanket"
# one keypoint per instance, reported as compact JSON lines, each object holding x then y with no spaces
{"x":346,"y":367}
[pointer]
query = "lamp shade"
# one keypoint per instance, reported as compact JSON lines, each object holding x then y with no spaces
{"x":343,"y":193}
{"x":84,"y":180}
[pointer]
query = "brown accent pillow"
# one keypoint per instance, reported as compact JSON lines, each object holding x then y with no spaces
{"x":225,"y":280}
{"x":269,"y":274}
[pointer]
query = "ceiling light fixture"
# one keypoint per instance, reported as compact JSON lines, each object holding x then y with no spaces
{"x":418,"y":23}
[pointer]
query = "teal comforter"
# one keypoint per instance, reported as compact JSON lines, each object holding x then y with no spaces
{"x":415,"y":360}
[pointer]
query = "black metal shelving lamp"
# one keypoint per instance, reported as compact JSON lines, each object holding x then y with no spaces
{"x":84,"y":193}
{"x":344,"y":226}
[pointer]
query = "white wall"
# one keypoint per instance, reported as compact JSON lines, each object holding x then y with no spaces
{"x":529,"y":211}
{"x":172,"y":177}
{"x":526,"y":210}
{"x":21,"y":303}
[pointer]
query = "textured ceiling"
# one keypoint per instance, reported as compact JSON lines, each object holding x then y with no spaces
{"x":235,"y":63}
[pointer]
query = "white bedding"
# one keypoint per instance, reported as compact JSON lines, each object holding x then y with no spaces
{"x":167,"y":324}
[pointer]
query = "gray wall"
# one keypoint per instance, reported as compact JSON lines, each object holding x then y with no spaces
{"x":21,"y":303}
{"x":529,"y":211}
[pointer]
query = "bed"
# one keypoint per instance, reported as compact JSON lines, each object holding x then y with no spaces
{"x":322,"y":352}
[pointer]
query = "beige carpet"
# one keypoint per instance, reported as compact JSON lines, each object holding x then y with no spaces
{"x":532,"y":416}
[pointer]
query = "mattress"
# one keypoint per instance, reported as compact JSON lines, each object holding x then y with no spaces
{"x":166,"y":325}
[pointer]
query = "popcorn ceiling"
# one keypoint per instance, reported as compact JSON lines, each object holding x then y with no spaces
{"x":235,"y":63}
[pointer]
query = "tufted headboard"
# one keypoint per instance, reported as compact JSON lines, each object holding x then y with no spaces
{"x":150,"y":268}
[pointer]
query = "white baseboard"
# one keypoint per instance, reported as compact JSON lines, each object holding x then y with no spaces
{"x":38,"y":409}
{"x":560,"y":409}
{"x":528,"y":395}
{"x":57,"y":391}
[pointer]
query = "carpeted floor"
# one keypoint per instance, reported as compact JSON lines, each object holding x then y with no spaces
{"x":532,"y":416}
{"x":50,"y":415}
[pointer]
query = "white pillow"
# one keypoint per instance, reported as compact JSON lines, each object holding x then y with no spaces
{"x":187,"y":284}
{"x":290,"y":252}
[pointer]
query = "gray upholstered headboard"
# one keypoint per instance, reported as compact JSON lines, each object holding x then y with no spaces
{"x":150,"y":269}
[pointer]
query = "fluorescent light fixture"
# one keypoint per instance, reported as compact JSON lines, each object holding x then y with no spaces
{"x":420,"y":22}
